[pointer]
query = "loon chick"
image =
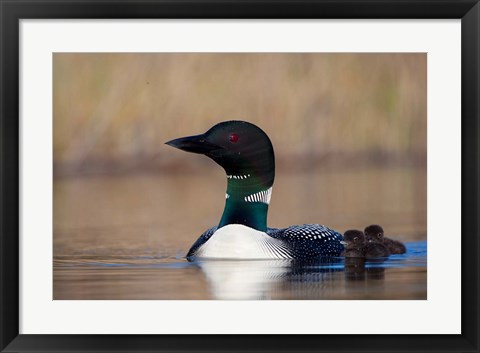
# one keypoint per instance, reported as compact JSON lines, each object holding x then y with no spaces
{"x":354,"y":241}
{"x":246,"y":154}
{"x":375,"y":234}
{"x":356,"y":246}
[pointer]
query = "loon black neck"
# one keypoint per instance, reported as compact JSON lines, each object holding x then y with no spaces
{"x":247,"y":201}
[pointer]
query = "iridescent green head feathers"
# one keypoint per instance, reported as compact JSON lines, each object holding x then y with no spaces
{"x":241,"y":148}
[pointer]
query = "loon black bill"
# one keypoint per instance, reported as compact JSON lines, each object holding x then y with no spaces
{"x":195,"y":144}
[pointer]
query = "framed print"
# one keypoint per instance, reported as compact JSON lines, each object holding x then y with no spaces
{"x":327,"y":202}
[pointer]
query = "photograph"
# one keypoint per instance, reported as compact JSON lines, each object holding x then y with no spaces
{"x":239,"y":176}
{"x":266,"y":176}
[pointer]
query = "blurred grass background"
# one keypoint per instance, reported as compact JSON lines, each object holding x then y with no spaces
{"x":113,"y":112}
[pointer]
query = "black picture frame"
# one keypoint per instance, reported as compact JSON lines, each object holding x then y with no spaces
{"x":12,"y":11}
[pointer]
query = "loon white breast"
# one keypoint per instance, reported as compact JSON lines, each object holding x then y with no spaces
{"x":236,"y":241}
{"x":246,"y":154}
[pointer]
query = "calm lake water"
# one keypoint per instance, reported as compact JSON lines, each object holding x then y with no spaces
{"x":125,"y":237}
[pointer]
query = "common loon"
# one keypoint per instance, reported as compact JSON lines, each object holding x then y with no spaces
{"x":357,"y":246}
{"x":374,"y":234}
{"x":246,"y":154}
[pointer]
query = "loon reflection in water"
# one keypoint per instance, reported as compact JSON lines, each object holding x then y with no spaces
{"x":316,"y":278}
{"x":256,"y":279}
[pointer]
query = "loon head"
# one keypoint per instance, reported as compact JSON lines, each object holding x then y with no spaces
{"x":374,"y":234}
{"x":354,"y":239}
{"x":246,"y":153}
{"x":241,"y":148}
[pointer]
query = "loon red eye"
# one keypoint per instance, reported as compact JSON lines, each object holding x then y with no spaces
{"x":233,"y":138}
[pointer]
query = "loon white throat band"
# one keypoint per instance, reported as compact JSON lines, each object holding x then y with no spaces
{"x":261,"y":196}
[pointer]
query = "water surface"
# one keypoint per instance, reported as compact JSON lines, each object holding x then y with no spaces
{"x":125,"y":237}
{"x":127,"y":277}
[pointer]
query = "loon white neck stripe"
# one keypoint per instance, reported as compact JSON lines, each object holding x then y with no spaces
{"x":261,"y":196}
{"x":238,"y":176}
